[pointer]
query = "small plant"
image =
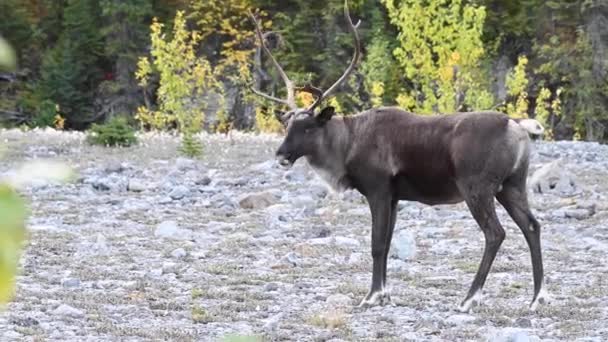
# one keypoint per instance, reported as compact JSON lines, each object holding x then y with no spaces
{"x":115,"y":132}
{"x":331,"y":320}
{"x":191,"y":146}
{"x":200,"y":315}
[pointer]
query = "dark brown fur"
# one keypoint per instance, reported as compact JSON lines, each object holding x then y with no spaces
{"x":388,"y":155}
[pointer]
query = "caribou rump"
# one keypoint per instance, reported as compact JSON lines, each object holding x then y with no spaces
{"x":388,"y":155}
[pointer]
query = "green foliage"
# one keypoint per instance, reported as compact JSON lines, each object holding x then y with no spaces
{"x":116,"y":132}
{"x":517,"y":84}
{"x":70,"y":70}
{"x":12,"y":234}
{"x":440,"y":50}
{"x":185,"y":79}
{"x":125,"y":37}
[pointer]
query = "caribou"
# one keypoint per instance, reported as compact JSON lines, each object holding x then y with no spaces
{"x":388,"y":154}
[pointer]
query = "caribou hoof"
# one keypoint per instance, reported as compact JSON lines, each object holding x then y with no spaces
{"x":542,"y":298}
{"x":469,"y":303}
{"x":376,"y":298}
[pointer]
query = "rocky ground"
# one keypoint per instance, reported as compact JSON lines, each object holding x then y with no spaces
{"x":145,"y":245}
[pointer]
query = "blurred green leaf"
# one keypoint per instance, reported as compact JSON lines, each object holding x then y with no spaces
{"x":8,"y":59}
{"x":13,"y":214}
{"x":241,"y":338}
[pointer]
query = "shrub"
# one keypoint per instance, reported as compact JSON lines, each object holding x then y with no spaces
{"x":116,"y":132}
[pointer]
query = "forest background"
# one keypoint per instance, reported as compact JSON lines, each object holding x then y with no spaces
{"x":189,"y":64}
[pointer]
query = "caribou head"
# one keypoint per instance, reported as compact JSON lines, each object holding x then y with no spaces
{"x":305,"y":127}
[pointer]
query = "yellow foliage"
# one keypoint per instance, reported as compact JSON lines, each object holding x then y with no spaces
{"x":377,"y":91}
{"x":266,"y":122}
{"x":517,"y":83}
{"x":304,"y":99}
{"x":183,"y":77}
{"x":59,"y":122}
{"x":230,"y":19}
{"x":440,"y":49}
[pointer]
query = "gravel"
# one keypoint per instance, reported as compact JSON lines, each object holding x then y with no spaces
{"x":117,"y":255}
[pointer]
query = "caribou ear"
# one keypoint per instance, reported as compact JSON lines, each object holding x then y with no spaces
{"x":325,"y":115}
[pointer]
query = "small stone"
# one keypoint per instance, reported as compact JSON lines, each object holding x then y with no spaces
{"x":523,"y":322}
{"x":338,"y":300}
{"x":178,"y":192}
{"x":269,"y":287}
{"x":258,"y":200}
{"x":136,"y":185}
{"x":179,"y":253}
{"x":579,"y":214}
{"x":403,"y":245}
{"x":203,"y":181}
{"x":165,"y":200}
{"x":70,"y":282}
{"x":68,"y":311}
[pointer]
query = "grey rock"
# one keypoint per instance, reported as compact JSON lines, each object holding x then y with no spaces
{"x":258,"y":200}
{"x":68,"y":311}
{"x":179,"y":192}
{"x":579,"y":214}
{"x":70,"y":282}
{"x":290,"y":259}
{"x":523,"y":322}
{"x":269,"y":287}
{"x":165,"y":200}
{"x":203,"y":180}
{"x":296,"y":175}
{"x":403,"y":245}
{"x":554,"y":178}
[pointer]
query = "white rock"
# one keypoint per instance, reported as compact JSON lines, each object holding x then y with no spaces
{"x":179,"y":253}
{"x":184,"y":164}
{"x":403,"y":245}
{"x":170,"y":230}
{"x":458,"y":320}
{"x":136,"y":185}
{"x":179,"y":192}
{"x":346,"y":241}
{"x":553,"y":178}
{"x":68,"y":311}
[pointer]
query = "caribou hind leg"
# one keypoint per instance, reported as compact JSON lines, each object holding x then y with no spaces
{"x":480,"y":201}
{"x":382,"y":209}
{"x":514,"y":199}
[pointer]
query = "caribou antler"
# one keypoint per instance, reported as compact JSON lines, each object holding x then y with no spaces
{"x":316,"y":91}
{"x":290,"y":101}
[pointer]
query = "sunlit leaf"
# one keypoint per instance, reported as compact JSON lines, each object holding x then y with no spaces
{"x":12,"y":234}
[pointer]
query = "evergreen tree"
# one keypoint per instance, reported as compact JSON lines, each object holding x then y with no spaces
{"x":71,"y":70}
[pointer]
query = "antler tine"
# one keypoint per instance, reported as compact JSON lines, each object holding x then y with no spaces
{"x":353,"y":29}
{"x":291,"y":102}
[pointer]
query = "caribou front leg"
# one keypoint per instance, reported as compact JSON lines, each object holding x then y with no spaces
{"x":382,"y":208}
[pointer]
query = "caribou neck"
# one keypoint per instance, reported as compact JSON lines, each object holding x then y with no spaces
{"x":329,"y":161}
